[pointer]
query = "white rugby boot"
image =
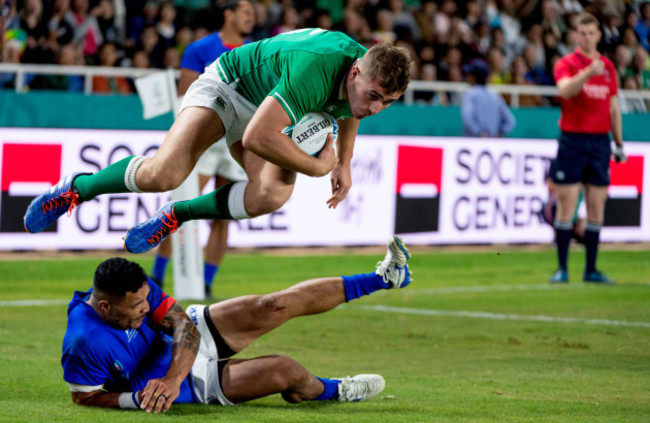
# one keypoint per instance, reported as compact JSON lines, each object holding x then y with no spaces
{"x":393,"y":269}
{"x":360,"y":387}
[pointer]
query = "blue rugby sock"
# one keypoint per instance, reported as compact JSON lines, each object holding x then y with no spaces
{"x":331,"y":390}
{"x":159,"y":267}
{"x":356,"y":286}
{"x":209,"y":272}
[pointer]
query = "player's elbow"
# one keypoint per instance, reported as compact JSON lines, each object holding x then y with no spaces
{"x":254,"y":141}
{"x":80,"y":399}
{"x":566,"y":91}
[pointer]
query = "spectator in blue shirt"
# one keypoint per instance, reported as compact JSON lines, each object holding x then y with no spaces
{"x":642,"y":27}
{"x":484,"y":113}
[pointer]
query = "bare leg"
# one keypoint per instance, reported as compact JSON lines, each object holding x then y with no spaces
{"x":595,"y":198}
{"x":269,"y":186}
{"x":242,"y":320}
{"x":244,"y":380}
{"x":567,"y":200}
{"x":195,"y":129}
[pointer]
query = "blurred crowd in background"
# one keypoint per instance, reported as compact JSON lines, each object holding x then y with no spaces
{"x":519,"y":39}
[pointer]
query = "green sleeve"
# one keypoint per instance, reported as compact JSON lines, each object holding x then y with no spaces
{"x":306,"y":83}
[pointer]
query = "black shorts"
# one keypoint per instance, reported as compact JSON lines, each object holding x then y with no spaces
{"x":582,"y":158}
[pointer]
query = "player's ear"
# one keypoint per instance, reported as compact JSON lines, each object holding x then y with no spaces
{"x":355,"y":71}
{"x":104,"y":306}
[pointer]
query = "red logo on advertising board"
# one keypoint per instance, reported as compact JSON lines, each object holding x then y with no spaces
{"x":27,"y":170}
{"x":417,"y":191}
{"x":623,"y":207}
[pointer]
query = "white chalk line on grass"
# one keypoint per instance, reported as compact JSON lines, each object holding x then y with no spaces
{"x":486,"y":288}
{"x":470,"y":289}
{"x":30,"y":303}
{"x":495,"y":316}
{"x":429,"y":312}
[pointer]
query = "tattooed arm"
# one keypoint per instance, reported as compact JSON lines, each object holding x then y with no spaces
{"x":159,"y":394}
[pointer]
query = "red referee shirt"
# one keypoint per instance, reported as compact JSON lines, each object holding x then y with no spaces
{"x":587,"y":112}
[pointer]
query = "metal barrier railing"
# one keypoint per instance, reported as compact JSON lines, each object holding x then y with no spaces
{"x":514,"y":91}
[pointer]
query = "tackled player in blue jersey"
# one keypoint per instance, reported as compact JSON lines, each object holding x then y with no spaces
{"x":130,"y":345}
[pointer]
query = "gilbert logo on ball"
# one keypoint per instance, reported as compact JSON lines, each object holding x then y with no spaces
{"x":310,"y":132}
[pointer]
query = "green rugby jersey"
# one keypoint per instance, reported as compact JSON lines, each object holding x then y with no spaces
{"x":303,"y":70}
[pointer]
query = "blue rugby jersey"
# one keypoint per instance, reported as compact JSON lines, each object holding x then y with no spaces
{"x":202,"y":52}
{"x":96,"y":353}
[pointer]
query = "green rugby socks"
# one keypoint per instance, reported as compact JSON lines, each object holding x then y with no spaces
{"x":106,"y":181}
{"x":213,"y":205}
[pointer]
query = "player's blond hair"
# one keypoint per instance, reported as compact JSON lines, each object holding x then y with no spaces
{"x":389,"y":65}
{"x":585,"y":18}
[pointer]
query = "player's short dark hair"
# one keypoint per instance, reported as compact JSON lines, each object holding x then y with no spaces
{"x":585,"y":18}
{"x":117,"y":276}
{"x":233,"y":4}
{"x":390,"y":65}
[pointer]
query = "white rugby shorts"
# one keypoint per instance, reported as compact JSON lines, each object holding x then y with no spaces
{"x":205,"y":371}
{"x":217,"y":160}
{"x":234,"y":110}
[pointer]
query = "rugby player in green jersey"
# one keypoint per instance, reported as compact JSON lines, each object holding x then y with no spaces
{"x":250,"y":94}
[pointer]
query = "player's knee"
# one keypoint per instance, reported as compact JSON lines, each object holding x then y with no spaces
{"x":288,"y":375}
{"x":269,"y":307}
{"x":272,"y":198}
{"x":159,"y":177}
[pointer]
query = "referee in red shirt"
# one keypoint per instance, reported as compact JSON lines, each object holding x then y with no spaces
{"x":590,"y":111}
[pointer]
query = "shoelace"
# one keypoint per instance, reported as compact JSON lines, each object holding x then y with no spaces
{"x":384,"y":268}
{"x":165,"y":230}
{"x":352,"y":389}
{"x":67,"y":198}
{"x":355,"y":389}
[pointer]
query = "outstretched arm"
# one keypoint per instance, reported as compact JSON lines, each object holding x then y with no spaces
{"x":99,"y":398}
{"x":341,"y":176}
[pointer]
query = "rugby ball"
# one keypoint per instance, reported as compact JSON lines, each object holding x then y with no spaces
{"x":310,"y":132}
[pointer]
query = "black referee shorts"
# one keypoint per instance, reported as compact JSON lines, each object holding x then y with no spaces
{"x":582,"y":158}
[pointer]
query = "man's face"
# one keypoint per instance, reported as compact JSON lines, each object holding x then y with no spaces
{"x":587,"y":37}
{"x":128,"y":312}
{"x":244,"y":18}
{"x":366,"y":96}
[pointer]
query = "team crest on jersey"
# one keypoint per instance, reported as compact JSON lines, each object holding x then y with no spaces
{"x":130,"y":334}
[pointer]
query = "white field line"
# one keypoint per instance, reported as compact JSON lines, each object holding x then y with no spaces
{"x":488,"y":288}
{"x":30,"y":303}
{"x":496,"y":316}
{"x":429,"y":312}
{"x":495,"y":288}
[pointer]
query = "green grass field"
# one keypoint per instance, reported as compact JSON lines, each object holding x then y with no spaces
{"x":479,"y":336}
